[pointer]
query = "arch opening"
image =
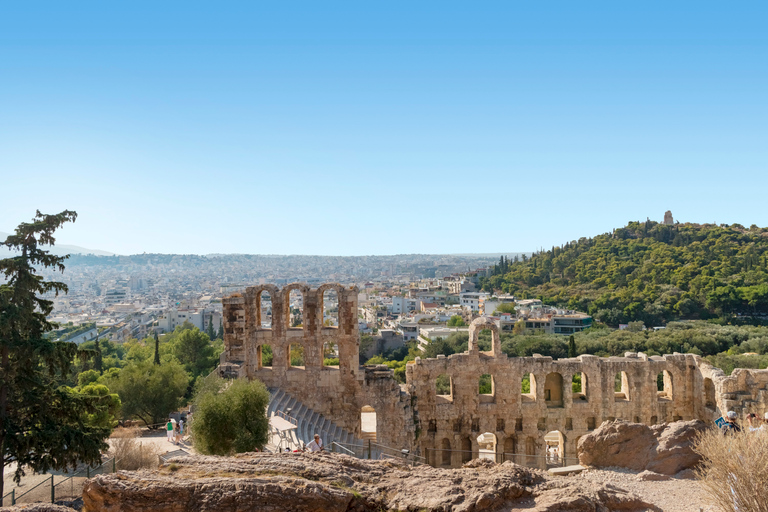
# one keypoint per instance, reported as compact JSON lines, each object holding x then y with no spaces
{"x":444,"y":387}
{"x":664,"y":385}
{"x":709,"y":393}
{"x":553,"y":390}
{"x":295,"y":309}
{"x":486,"y":443}
{"x":264,"y":356}
{"x":265,"y":310}
{"x":330,"y":308}
{"x":621,"y":387}
{"x":579,"y":387}
{"x":296,"y":356}
{"x":330,"y":354}
{"x":555,"y":442}
{"x":368,"y":423}
{"x":528,"y":387}
{"x":486,"y":385}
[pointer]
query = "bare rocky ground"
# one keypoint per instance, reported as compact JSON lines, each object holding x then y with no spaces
{"x":332,"y":482}
{"x":314,"y":482}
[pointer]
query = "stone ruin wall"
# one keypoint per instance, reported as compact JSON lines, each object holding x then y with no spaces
{"x":337,"y":392}
{"x":414,"y":416}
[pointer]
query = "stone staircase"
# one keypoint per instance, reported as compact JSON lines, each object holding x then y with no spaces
{"x":309,"y":422}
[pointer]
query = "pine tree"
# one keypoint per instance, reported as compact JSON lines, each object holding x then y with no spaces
{"x":220,"y":336}
{"x":571,"y":347}
{"x":32,"y":399}
{"x":157,"y":349}
{"x":211,"y":333}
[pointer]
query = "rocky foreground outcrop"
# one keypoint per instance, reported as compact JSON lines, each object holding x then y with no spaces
{"x":665,"y":449}
{"x":331,"y":482}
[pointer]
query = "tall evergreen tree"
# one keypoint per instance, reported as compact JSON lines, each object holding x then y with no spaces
{"x":97,"y":360}
{"x":210,"y":332}
{"x":157,"y":349}
{"x":41,"y":422}
{"x":221,"y":330}
{"x":571,"y":347}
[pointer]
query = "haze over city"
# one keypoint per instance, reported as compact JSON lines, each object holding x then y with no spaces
{"x":350,"y":129}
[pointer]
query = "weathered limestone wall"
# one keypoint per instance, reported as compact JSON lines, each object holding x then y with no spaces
{"x":445,"y":427}
{"x":337,"y":392}
{"x":743,"y":391}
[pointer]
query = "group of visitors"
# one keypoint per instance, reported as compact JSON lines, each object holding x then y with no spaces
{"x":755,"y":423}
{"x":175,"y":431}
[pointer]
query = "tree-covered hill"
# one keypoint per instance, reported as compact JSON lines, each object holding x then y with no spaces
{"x":648,"y":272}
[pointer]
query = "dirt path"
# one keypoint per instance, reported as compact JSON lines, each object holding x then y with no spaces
{"x":674,"y":495}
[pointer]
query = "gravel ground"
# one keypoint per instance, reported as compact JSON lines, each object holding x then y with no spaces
{"x":675,"y":495}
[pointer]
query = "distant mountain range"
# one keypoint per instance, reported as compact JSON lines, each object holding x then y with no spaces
{"x":61,"y":249}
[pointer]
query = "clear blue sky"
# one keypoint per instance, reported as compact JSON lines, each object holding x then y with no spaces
{"x":379,"y":127}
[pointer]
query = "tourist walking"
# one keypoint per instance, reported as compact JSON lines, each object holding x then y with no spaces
{"x":169,"y":430}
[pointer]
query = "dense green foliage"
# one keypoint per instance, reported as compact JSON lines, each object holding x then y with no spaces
{"x":648,"y":272}
{"x":230,"y":418}
{"x":456,"y":321}
{"x":149,"y":391}
{"x":154,"y":376}
{"x":43,"y":423}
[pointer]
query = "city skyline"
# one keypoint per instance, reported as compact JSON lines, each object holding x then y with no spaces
{"x":345,"y":129}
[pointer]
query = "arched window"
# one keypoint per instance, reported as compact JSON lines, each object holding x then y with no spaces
{"x":295,"y":309}
{"x":621,"y":387}
{"x":265,"y":307}
{"x":330,"y":354}
{"x":330,"y":308}
{"x":444,"y":387}
{"x":579,"y":387}
{"x":528,"y":387}
{"x":664,"y":385}
{"x":296,"y":356}
{"x":486,"y":385}
{"x":264,"y":356}
{"x":553,"y":390}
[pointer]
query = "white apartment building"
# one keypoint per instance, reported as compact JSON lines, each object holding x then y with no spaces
{"x":472,"y":300}
{"x":173,"y":318}
{"x":402,"y":305}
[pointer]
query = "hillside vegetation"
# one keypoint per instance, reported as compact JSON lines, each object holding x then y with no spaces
{"x":648,"y":272}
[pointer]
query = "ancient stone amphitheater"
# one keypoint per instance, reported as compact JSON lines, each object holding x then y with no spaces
{"x":443,"y":423}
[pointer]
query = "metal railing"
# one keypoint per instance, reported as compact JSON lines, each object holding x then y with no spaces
{"x":438,"y":457}
{"x":68,"y":487}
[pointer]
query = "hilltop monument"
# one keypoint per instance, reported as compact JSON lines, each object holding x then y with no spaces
{"x":668,"y":221}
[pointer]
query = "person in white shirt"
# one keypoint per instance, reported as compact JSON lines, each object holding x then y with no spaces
{"x":316,"y":445}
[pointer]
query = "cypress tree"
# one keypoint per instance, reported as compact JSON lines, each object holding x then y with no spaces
{"x":571,"y":347}
{"x":157,"y":349}
{"x":221,"y":330}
